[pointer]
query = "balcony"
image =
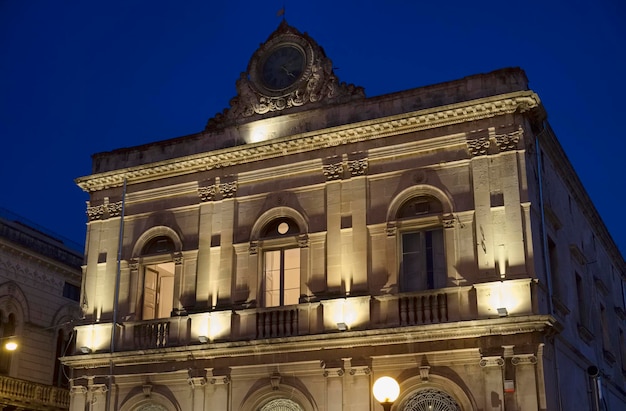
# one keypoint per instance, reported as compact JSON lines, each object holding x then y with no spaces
{"x":487,"y":300}
{"x":22,"y":394}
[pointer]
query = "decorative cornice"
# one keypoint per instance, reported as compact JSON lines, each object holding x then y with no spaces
{"x":521,"y":101}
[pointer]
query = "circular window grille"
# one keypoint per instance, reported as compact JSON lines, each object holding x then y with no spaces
{"x":431,"y":400}
{"x":281,"y":405}
{"x":152,"y":407}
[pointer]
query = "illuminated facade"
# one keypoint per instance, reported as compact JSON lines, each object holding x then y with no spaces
{"x":311,"y":239}
{"x":40,"y":279}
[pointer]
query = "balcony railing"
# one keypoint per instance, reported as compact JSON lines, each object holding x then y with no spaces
{"x":423,"y":309}
{"x":277,"y":323}
{"x":17,"y":393}
{"x":345,"y":313}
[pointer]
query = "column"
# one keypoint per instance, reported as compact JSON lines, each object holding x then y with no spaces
{"x":334,"y":389}
{"x":493,"y":383}
{"x":358,"y":389}
{"x":333,"y":174}
{"x":525,"y":382}
{"x":216,"y":393}
{"x":78,"y":398}
{"x":357,"y":265}
{"x":198,"y":385}
{"x":98,"y":400}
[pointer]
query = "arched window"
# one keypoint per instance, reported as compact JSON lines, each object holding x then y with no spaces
{"x":422,"y":255}
{"x":281,"y":404}
{"x":281,"y":263}
{"x":430,"y":399}
{"x":8,"y":330}
{"x":159,"y":278}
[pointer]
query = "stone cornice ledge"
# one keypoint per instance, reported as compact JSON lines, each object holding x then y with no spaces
{"x":520,"y":101}
{"x":317,"y":342}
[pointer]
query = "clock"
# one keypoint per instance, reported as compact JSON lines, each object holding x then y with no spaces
{"x":282,"y":67}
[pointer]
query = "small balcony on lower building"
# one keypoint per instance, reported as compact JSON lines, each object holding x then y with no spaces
{"x":346,"y":313}
{"x":16,"y":394}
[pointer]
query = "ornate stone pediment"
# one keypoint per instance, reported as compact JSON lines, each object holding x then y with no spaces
{"x":312,"y":80}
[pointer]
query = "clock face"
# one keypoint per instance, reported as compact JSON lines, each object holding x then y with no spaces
{"x":282,"y":67}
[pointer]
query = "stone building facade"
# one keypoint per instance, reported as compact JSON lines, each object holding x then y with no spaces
{"x":40,"y":278}
{"x":311,"y":239}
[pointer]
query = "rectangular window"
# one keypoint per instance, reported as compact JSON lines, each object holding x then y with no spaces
{"x":583,"y":314}
{"x":282,"y":277}
{"x":422,"y":265}
{"x":606,"y":339}
{"x":71,"y":291}
{"x":554,"y":267}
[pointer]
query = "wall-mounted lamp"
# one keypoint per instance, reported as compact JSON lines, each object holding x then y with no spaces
{"x":503,"y":312}
{"x":342,"y":326}
{"x":203,"y":339}
{"x":386,"y":391}
{"x":85,"y":350}
{"x":10,"y":345}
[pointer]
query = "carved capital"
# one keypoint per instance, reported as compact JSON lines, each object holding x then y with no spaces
{"x":303,"y":240}
{"x":95,"y":212}
{"x":357,"y":167}
{"x":78,"y":390}
{"x":526,"y":359}
{"x":114,"y":209}
{"x":360,"y":370}
{"x":197,"y":382}
{"x":448,"y":222}
{"x":207,"y":193}
{"x":506,"y":142}
{"x":228,"y":190}
{"x":220,"y":380}
{"x":254,"y":247}
{"x":491,"y":362}
{"x":333,"y":171}
{"x":478,"y":147}
{"x":333,"y":372}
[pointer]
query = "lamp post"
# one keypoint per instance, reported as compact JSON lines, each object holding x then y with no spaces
{"x":386,"y":391}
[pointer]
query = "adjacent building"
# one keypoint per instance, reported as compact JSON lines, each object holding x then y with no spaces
{"x":312,"y":239}
{"x":40,"y":278}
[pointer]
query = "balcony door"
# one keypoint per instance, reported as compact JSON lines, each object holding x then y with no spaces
{"x":158,"y":293}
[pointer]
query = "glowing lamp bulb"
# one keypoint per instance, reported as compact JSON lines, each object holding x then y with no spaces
{"x":11,"y":346}
{"x":386,"y":390}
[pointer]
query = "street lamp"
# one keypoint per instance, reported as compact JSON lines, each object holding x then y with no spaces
{"x":386,"y":391}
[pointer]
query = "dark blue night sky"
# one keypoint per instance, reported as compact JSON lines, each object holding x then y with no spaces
{"x":79,"y":77}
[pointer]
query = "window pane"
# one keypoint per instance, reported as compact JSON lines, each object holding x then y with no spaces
{"x":292,"y":276}
{"x":272,"y":278}
{"x":422,"y":264}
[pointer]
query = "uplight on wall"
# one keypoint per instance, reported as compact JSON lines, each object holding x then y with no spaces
{"x":11,"y":345}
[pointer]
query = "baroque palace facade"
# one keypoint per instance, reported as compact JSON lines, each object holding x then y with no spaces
{"x":311,"y":239}
{"x":40,"y":278}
